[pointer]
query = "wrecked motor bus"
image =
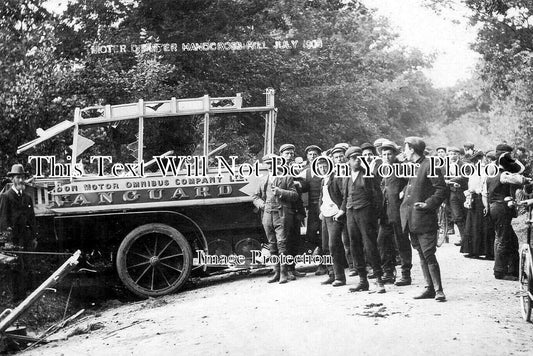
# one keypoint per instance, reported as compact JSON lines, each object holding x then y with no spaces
{"x":152,"y":226}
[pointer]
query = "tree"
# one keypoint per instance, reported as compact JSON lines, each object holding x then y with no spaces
{"x":358,"y":86}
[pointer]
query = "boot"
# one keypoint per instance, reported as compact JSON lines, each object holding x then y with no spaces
{"x":331,"y":279}
{"x":380,"y":287}
{"x":388,"y":278}
{"x":283,"y":274}
{"x":275,"y":278}
{"x":405,"y":280}
{"x":321,"y":270}
{"x":294,"y":272}
{"x":362,"y":286}
{"x":434,"y":270}
{"x":331,"y":276}
{"x":290,"y":273}
{"x":353,"y":272}
{"x":298,"y":274}
{"x":428,"y":293}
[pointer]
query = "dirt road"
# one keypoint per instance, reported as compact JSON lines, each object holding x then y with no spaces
{"x":247,"y":316}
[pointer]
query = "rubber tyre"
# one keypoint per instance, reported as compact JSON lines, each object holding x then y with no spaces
{"x":525,"y":284}
{"x":129,"y":251}
{"x":443,"y":222}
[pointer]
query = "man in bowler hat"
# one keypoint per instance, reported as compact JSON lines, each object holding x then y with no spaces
{"x":18,"y":219}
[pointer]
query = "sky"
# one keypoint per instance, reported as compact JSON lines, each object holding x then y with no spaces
{"x":447,"y":36}
{"x":433,"y":34}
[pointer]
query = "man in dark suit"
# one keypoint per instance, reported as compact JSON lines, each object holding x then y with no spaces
{"x":422,"y":197}
{"x":497,"y":194}
{"x":390,"y":226}
{"x":362,"y":198}
{"x":274,"y":197}
{"x":18,"y":218}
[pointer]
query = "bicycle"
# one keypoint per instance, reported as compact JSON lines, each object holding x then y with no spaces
{"x":443,"y":225}
{"x":525,"y":274}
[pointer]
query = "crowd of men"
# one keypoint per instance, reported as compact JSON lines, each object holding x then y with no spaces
{"x":365,"y":220}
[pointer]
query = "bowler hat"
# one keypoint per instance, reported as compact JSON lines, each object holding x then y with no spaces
{"x":417,"y":143}
{"x":440,"y":148}
{"x":17,"y":170}
{"x":285,"y":147}
{"x":354,"y":150}
{"x":468,"y":145}
{"x":313,"y":148}
{"x":503,"y":147}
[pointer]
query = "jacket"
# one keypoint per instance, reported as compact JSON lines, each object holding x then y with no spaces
{"x":422,"y":188}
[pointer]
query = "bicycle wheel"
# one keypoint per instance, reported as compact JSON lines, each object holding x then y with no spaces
{"x":443,"y":224}
{"x":525,"y":283}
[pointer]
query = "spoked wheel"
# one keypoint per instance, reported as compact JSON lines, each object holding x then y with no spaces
{"x":443,"y":224}
{"x":525,"y":283}
{"x":153,"y":260}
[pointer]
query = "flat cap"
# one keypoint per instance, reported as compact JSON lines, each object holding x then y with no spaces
{"x":503,"y":147}
{"x":285,"y":147}
{"x":368,"y":145}
{"x":337,"y":149}
{"x":453,"y":149}
{"x":313,"y":148}
{"x":342,"y":145}
{"x":389,"y":145}
{"x":379,"y":142}
{"x":268,"y":158}
{"x":354,"y":150}
{"x":468,"y":145}
{"x":417,"y":142}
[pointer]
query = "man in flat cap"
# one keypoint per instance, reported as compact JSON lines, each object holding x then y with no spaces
{"x":274,"y":197}
{"x":18,"y":218}
{"x":293,"y":243}
{"x":422,"y":197}
{"x":391,"y":237}
{"x":310,"y":187}
{"x":362,"y":196}
{"x":457,"y":185}
{"x":441,"y":151}
{"x":338,"y":155}
{"x":497,"y":194}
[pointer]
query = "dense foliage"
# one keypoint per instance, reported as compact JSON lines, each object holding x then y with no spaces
{"x":359,"y":85}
